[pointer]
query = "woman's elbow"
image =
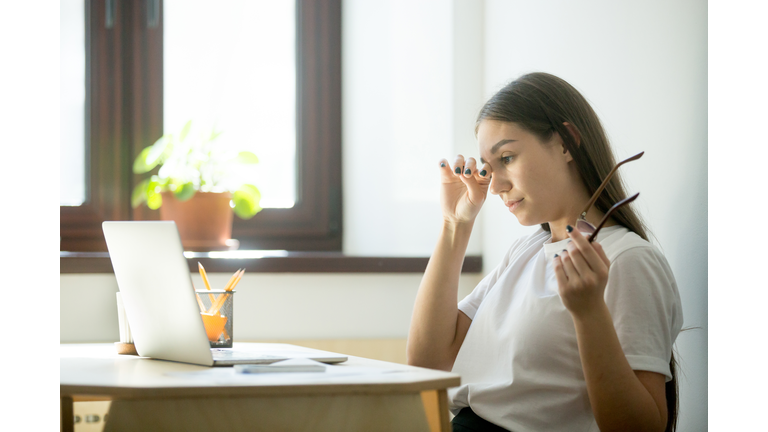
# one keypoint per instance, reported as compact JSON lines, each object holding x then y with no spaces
{"x":415,"y":357}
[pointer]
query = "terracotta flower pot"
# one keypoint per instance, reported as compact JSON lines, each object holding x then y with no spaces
{"x":204,"y":221}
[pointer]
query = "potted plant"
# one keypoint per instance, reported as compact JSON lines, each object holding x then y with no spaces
{"x":198,"y":185}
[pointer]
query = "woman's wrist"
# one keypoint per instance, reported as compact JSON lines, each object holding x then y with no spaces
{"x":456,"y":233}
{"x":594,"y":314}
{"x":458,"y":227}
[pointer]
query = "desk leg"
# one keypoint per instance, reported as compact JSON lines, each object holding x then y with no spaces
{"x":332,"y":413}
{"x":436,"y":408}
{"x":67,"y":415}
{"x":442,"y":402}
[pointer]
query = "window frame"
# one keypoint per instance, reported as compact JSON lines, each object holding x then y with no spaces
{"x":124,"y":113}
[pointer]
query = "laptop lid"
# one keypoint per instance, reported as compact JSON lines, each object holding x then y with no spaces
{"x":156,"y":289}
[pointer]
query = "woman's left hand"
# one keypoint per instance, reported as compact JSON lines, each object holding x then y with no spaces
{"x":582,"y":273}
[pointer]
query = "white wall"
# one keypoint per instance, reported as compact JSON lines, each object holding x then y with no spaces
{"x":412,"y":86}
{"x":271,"y":306}
{"x":643,"y":67}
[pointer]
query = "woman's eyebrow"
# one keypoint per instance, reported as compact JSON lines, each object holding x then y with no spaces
{"x":496,"y":146}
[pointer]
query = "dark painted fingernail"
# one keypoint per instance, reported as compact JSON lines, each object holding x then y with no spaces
{"x":483,"y":173}
{"x":564,"y":250}
{"x":442,"y":165}
{"x":568,"y":228}
{"x":467,"y":172}
{"x":458,"y":170}
{"x":556,"y":255}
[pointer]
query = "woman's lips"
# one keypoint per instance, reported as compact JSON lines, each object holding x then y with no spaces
{"x":513,"y":204}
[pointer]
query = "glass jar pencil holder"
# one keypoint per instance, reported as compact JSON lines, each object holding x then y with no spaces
{"x":216,"y":309}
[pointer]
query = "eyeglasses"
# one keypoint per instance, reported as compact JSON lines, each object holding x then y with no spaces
{"x":582,"y":224}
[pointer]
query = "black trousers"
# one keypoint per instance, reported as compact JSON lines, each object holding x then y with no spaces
{"x":467,"y":421}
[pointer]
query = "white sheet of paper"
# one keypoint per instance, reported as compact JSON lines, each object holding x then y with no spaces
{"x":291,"y":365}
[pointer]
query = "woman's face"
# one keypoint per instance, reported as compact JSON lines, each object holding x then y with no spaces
{"x":533,"y":178}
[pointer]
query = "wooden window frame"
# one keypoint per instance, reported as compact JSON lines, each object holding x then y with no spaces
{"x":124,"y":113}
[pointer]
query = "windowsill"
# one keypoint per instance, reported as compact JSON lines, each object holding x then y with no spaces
{"x":257,"y":261}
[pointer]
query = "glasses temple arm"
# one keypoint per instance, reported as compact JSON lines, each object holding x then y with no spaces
{"x":605,"y":182}
{"x":610,"y":212}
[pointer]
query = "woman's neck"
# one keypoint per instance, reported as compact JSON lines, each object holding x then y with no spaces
{"x":558,"y":228}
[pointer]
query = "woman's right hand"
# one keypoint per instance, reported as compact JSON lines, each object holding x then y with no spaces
{"x":462,"y":194}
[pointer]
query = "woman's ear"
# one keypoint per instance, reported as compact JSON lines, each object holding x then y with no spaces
{"x":574,"y":133}
{"x":576,"y":137}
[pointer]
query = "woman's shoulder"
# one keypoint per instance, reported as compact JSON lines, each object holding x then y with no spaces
{"x":640,"y":264}
{"x":623,"y":246}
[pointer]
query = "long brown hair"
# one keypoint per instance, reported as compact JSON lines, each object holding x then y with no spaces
{"x":540,"y":103}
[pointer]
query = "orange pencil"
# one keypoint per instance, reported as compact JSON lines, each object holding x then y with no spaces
{"x":237,"y":280}
{"x":226,"y":288}
{"x":231,"y":280}
{"x":205,"y":280}
{"x":230,"y":286}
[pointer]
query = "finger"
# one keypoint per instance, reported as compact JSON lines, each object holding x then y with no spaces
{"x":476,"y":191}
{"x":458,"y":165}
{"x":483,"y":175}
{"x":601,"y":253}
{"x":587,"y":251}
{"x":562,"y":278}
{"x":578,"y":261}
{"x":570,"y":270}
{"x":470,"y":167}
{"x":446,"y":172}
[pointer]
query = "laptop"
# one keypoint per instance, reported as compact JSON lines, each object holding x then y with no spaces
{"x":156,"y":288}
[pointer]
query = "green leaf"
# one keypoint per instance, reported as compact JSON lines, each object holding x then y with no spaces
{"x":154,"y":199}
{"x":185,"y":130}
{"x":247,"y":157}
{"x":250,"y":190}
{"x":214,"y":135}
{"x":246,"y":201}
{"x":158,"y":150}
{"x":139,"y":194}
{"x":162,"y":182}
{"x":185,"y":192}
{"x":151,"y":156}
{"x":140,"y":164}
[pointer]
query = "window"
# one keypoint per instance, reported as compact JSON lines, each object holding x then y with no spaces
{"x":72,"y":103}
{"x":237,"y":73}
{"x":125,"y":62}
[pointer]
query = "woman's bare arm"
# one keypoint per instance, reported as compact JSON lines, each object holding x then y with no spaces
{"x":621,"y":399}
{"x":438,"y":327}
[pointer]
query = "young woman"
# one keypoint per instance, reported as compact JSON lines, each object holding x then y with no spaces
{"x":565,"y":334}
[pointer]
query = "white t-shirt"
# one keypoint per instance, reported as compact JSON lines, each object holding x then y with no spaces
{"x":519,"y":363}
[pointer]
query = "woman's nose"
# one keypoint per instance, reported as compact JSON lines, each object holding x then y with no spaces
{"x":498,"y":184}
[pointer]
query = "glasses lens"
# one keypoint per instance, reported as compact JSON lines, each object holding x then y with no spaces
{"x":585,"y":227}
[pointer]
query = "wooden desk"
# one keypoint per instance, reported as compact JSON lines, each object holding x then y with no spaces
{"x":151,"y":394}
